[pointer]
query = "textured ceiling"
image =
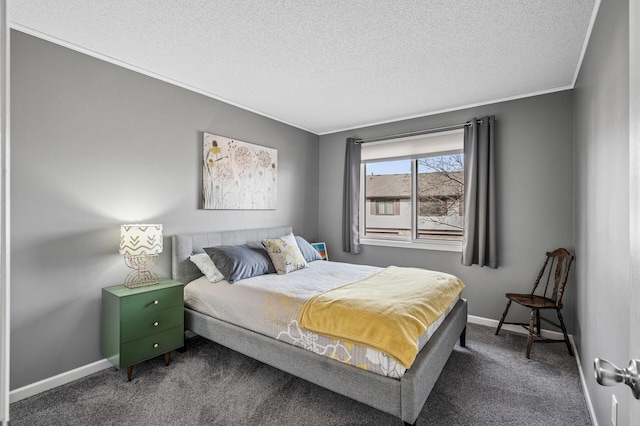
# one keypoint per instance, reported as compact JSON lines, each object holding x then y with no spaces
{"x":329,"y":65}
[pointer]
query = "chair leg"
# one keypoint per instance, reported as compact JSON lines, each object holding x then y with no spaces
{"x":504,"y":315}
{"x":532,"y":323}
{"x":564,"y":331}
{"x":538,"y":327}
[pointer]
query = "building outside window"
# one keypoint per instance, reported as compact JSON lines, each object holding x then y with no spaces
{"x":432,"y":206}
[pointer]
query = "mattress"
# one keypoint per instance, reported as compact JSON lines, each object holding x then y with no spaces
{"x":271,"y":304}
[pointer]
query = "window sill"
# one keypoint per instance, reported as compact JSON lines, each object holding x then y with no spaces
{"x":440,"y":245}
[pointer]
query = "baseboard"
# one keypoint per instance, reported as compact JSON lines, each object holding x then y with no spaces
{"x":550,"y":334}
{"x":583,"y":381}
{"x":59,"y":380}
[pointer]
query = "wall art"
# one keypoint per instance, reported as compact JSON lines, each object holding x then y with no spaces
{"x":238,"y":175}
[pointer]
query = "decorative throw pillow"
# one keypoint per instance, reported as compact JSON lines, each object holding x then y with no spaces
{"x":285,"y":254}
{"x":207,"y":267}
{"x":241,"y":261}
{"x":310,"y":254}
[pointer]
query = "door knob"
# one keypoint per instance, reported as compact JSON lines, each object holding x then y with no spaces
{"x":608,"y":374}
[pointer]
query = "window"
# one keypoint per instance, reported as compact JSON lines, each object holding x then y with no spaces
{"x":413,"y":189}
{"x":385,"y":207}
{"x":440,"y":191}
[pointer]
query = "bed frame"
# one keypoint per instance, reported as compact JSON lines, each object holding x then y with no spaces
{"x":402,"y":398}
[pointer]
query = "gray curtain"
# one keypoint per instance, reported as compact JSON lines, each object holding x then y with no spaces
{"x":351,"y":199}
{"x":479,"y":245}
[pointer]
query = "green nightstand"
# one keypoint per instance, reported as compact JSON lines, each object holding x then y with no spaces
{"x":142,"y":323}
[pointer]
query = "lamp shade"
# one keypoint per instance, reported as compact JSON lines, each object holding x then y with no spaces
{"x":138,"y":240}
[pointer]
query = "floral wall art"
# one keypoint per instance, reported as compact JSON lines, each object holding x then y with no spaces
{"x":238,"y":175}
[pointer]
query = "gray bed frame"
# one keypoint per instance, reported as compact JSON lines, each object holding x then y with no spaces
{"x":402,"y":398}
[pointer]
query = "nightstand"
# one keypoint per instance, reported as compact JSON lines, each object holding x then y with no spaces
{"x":142,"y":323}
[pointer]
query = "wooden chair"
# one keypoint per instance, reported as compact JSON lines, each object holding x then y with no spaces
{"x":536,"y":302}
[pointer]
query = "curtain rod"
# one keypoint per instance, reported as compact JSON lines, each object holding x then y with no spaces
{"x":417,"y":132}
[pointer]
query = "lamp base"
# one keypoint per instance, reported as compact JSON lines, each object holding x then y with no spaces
{"x":140,"y":279}
{"x":141,"y":276}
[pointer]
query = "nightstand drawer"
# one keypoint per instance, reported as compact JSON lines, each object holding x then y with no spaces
{"x":151,"y":301}
{"x":151,"y":346}
{"x":151,"y":323}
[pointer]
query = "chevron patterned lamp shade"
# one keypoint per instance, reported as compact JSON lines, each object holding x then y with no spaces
{"x":141,"y":244}
{"x":136,"y":240}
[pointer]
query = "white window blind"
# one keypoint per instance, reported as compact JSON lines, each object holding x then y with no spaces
{"x":412,"y":146}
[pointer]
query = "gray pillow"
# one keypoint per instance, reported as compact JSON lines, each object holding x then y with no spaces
{"x":308,"y":252}
{"x":241,"y":261}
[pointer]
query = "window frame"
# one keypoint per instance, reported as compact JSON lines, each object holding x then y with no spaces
{"x":413,"y":242}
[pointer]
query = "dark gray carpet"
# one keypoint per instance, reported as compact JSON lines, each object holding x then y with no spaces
{"x":488,"y":382}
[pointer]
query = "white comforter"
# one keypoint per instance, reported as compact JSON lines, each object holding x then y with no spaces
{"x":270,"y":305}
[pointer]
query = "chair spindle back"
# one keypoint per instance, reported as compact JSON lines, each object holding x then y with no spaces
{"x":562,"y":260}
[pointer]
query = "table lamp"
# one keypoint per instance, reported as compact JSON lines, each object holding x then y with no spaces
{"x":140,"y":244}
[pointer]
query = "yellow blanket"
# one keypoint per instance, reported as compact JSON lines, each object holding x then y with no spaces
{"x":386,"y":311}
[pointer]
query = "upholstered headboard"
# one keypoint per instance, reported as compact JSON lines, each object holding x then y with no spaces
{"x":184,"y":245}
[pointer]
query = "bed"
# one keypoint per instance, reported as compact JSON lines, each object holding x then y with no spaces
{"x":402,"y":397}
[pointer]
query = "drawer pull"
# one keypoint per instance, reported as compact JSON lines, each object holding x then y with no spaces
{"x":155,"y":324}
{"x":155,"y":302}
{"x":155,"y":345}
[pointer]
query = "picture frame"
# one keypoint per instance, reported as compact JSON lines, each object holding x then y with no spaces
{"x":321,"y":247}
{"x":238,"y":175}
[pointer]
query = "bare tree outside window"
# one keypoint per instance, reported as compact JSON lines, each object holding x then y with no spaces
{"x":440,"y":193}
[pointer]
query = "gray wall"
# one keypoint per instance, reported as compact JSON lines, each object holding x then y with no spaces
{"x":601,"y":109}
{"x":535,"y":198}
{"x":94,"y":146}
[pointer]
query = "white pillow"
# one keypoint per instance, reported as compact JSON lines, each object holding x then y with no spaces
{"x":285,"y":254}
{"x":207,"y":267}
